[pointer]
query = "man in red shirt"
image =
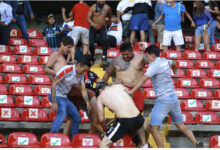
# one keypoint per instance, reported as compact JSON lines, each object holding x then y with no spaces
{"x":81,"y":27}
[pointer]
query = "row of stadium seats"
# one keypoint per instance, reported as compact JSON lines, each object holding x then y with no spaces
{"x":32,"y":42}
{"x":28,"y":69}
{"x":33,"y":34}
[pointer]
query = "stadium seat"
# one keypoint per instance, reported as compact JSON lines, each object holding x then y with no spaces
{"x":184,"y":64}
{"x":15,"y":78}
{"x":9,"y":114}
{"x":149,"y":93}
{"x":186,"y":83}
{"x":192,"y":55}
{"x":218,"y":64}
{"x":138,"y":44}
{"x":201,"y":47}
{"x":159,"y":45}
{"x":33,"y":34}
{"x":124,"y":142}
{"x":1,"y":79}
{"x":15,"y":33}
{"x":43,"y":60}
{"x":45,"y":51}
{"x":37,"y":43}
{"x":212,"y":105}
{"x":10,"y":59}
{"x":217,"y":94}
{"x":187,"y":118}
{"x":55,"y":140}
{"x":4,"y":49}
{"x":216,"y":47}
{"x":86,"y":140}
{"x":22,"y":50}
{"x":182,"y":93}
{"x":189,"y":38}
{"x":196,"y":73}
{"x":113,"y":52}
{"x":207,"y":118}
{"x":148,"y":83}
{"x":192,"y":105}
{"x":52,"y":115}
{"x":211,"y":55}
{"x":17,"y":41}
{"x":6,"y":101}
{"x":12,"y":68}
{"x":38,"y":79}
{"x":171,"y":54}
{"x":33,"y":69}
{"x":214,"y":141}
{"x":204,"y":64}
{"x":84,"y":116}
{"x":2,"y":144}
{"x":3,"y":89}
{"x":34,"y":114}
{"x":45,"y":103}
{"x":42,"y":90}
{"x":209,"y":83}
{"x":180,"y":73}
{"x":214,"y":73}
{"x":20,"y":89}
{"x":23,"y":140}
{"x":201,"y":93}
{"x":27,"y":101}
{"x":25,"y":59}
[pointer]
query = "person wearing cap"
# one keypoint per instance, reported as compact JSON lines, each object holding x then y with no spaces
{"x":52,"y":32}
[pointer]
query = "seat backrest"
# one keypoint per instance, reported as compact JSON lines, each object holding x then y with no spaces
{"x":9,"y":114}
{"x":187,"y":118}
{"x":45,"y":103}
{"x":192,"y":104}
{"x":218,"y":64}
{"x":27,"y":101}
{"x":185,"y":64}
{"x":192,"y":55}
{"x":200,"y":93}
{"x":35,"y":69}
{"x":211,"y":55}
{"x":34,"y":34}
{"x":186,"y":82}
{"x":149,"y":93}
{"x":4,"y":49}
{"x":20,"y":89}
{"x":15,"y":78}
{"x":173,"y":54}
{"x":10,"y":59}
{"x":15,"y":33}
{"x":26,"y":59}
{"x":189,"y":38}
{"x":214,"y":141}
{"x":214,"y":73}
{"x":180,"y":73}
{"x":43,"y":60}
{"x":209,"y":83}
{"x":38,"y":79}
{"x":44,"y":51}
{"x":2,"y":144}
{"x":182,"y":93}
{"x":34,"y":114}
{"x":86,"y":140}
{"x":212,"y":105}
{"x":112,"y":52}
{"x":217,"y":93}
{"x":42,"y":90}
{"x":196,"y":73}
{"x":6,"y":101}
{"x":204,"y":64}
{"x":17,"y":41}
{"x":207,"y":118}
{"x":37,"y":42}
{"x":15,"y":68}
{"x":124,"y":142}
{"x":3,"y":89}
{"x":22,"y":50}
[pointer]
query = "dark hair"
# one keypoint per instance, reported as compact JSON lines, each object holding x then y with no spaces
{"x":85,"y":61}
{"x":66,"y":40}
{"x":100,"y":85}
{"x":153,"y":49}
{"x":199,"y":9}
{"x":126,"y":46}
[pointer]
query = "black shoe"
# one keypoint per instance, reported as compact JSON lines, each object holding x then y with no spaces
{"x":104,"y":60}
{"x":199,"y":144}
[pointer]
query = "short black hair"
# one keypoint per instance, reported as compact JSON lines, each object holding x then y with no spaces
{"x":66,"y":40}
{"x":100,"y":85}
{"x":85,"y":61}
{"x":126,"y":46}
{"x":153,"y":49}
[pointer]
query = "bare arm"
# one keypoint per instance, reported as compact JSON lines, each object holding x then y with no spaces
{"x":90,"y":13}
{"x":174,"y":67}
{"x":64,"y":16}
{"x":85,"y":96}
{"x":217,"y":25}
{"x":118,"y":15}
{"x":161,"y":17}
{"x":215,"y":11}
{"x":49,"y":66}
{"x":109,"y":15}
{"x":110,"y":71}
{"x":190,"y":18}
{"x":101,"y":114}
{"x":53,"y":93}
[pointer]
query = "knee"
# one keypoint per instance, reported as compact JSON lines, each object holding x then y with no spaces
{"x":102,"y":145}
{"x":182,"y":127}
{"x":153,"y":129}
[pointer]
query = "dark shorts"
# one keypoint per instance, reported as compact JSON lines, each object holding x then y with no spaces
{"x":123,"y":127}
{"x":126,"y":30}
{"x":139,"y":22}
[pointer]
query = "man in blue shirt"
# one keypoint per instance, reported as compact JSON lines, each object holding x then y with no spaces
{"x":166,"y":98}
{"x":172,"y":13}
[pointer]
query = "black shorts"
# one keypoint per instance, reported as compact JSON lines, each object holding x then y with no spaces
{"x":124,"y":126}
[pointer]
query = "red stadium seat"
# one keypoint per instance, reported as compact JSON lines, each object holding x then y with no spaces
{"x":33,"y":69}
{"x":196,"y":73}
{"x":187,"y":118}
{"x":84,"y":117}
{"x":25,"y":59}
{"x":55,"y":140}
{"x":34,"y":114}
{"x":43,"y":60}
{"x":20,"y":89}
{"x":15,"y":33}
{"x":149,"y":93}
{"x":41,"y":90}
{"x":182,"y":93}
{"x":218,"y":64}
{"x":22,"y":50}
{"x":212,"y":105}
{"x":45,"y":103}
{"x":39,"y":79}
{"x":45,"y":51}
{"x":138,"y":44}
{"x":189,"y":38}
{"x":214,"y":141}
{"x":86,"y":140}
{"x":201,"y":93}
{"x":37,"y":43}
{"x":23,"y":140}
{"x":214,"y":73}
{"x":216,"y":47}
{"x":209,"y":83}
{"x":124,"y":142}
{"x":211,"y":55}
{"x":159,"y":45}
{"x":1,"y":79}
{"x":186,"y":82}
{"x":9,"y":114}
{"x":171,"y":54}
{"x":6,"y":101}
{"x":33,"y":34}
{"x":204,"y":64}
{"x":217,"y":94}
{"x":112,"y":52}
{"x":4,"y":49}
{"x":148,"y":83}
{"x":52,"y":115}
{"x":12,"y":68}
{"x":180,"y":73}
{"x":192,"y":55}
{"x":10,"y":59}
{"x":207,"y":118}
{"x":192,"y":105}
{"x":15,"y":78}
{"x":27,"y":101}
{"x":3,"y":89}
{"x":2,"y":144}
{"x":185,"y":64}
{"x":17,"y":41}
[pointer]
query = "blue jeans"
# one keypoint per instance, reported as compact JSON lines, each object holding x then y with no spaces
{"x":65,"y":106}
{"x":150,"y":33}
{"x":212,"y":33}
{"x":21,"y":23}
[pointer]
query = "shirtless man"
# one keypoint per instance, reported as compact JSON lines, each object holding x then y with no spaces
{"x":97,"y":18}
{"x":128,"y":117}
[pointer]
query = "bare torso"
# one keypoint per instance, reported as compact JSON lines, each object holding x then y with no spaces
{"x":118,"y":101}
{"x":100,"y":17}
{"x":61,"y":61}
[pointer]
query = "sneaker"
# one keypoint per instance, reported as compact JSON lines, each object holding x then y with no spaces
{"x":199,"y":144}
{"x":104,"y":60}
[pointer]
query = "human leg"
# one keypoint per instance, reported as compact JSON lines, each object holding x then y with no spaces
{"x":160,"y":29}
{"x":67,"y":128}
{"x":150,"y":32}
{"x":92,"y":37}
{"x":167,"y":37}
{"x":21,"y":23}
{"x":212,"y":33}
{"x":4,"y":34}
{"x":156,"y":135}
{"x":206,"y":38}
{"x":132,"y":36}
{"x":178,"y":39}
{"x":85,"y":40}
{"x":104,"y":39}
{"x":198,"y":35}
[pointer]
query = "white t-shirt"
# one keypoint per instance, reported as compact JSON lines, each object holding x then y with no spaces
{"x":116,"y":31}
{"x":122,"y":5}
{"x":70,"y":24}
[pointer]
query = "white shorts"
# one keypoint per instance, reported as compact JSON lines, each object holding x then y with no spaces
{"x":177,"y":37}
{"x":78,"y":32}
